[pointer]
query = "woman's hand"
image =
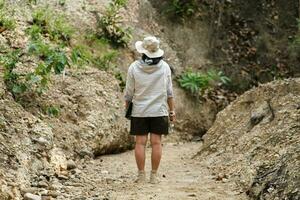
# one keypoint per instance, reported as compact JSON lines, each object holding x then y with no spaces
{"x":172,"y":116}
{"x":126,"y":104}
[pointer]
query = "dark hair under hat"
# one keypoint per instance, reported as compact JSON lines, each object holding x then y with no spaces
{"x":151,"y":61}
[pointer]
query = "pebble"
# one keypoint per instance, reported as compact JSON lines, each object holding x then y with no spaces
{"x":71,"y":164}
{"x":73,"y":184}
{"x":28,"y":190}
{"x":42,"y":141}
{"x":43,"y":184}
{"x":44,"y":192}
{"x":53,"y":194}
{"x":29,"y":196}
{"x":62,"y":177}
{"x":85,"y":152}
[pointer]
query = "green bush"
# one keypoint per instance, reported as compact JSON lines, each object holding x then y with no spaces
{"x":53,"y":59}
{"x":52,"y":25}
{"x":93,"y":51}
{"x":62,"y":2}
{"x":11,"y":78}
{"x":109,"y":25}
{"x":53,"y":111}
{"x":217,"y":78}
{"x":120,"y":78}
{"x":57,"y":60}
{"x":34,"y":32}
{"x":41,"y":17}
{"x":81,"y":55}
{"x":182,"y":9}
{"x":6,"y":21}
{"x":40,"y":49}
{"x":59,"y":29}
{"x":197,"y":82}
{"x":32,"y":2}
{"x":105,"y":62}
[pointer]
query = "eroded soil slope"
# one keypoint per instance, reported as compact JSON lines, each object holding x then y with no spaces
{"x":255,"y":141}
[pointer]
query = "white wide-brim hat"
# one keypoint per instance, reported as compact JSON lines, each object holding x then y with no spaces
{"x":150,"y":47}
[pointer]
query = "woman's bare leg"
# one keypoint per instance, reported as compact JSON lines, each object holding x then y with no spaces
{"x":155,"y":140}
{"x":140,"y":156}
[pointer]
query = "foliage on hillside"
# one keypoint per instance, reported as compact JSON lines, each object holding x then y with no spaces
{"x":109,"y":25}
{"x":197,"y":83}
{"x":54,"y":45}
{"x":6,"y":20}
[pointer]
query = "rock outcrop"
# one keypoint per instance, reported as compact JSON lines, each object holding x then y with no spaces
{"x":255,"y":141}
{"x":91,"y":120}
{"x":35,"y":145}
{"x":79,"y":117}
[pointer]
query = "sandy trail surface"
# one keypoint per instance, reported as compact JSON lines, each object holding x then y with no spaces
{"x":112,"y":177}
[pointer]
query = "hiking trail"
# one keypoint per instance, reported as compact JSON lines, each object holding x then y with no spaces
{"x":112,"y":177}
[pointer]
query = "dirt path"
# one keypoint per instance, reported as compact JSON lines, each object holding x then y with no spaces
{"x":111,"y":177}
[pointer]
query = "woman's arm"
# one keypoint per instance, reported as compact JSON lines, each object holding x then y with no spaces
{"x":129,"y":89}
{"x":170,"y":100}
{"x":172,"y":113}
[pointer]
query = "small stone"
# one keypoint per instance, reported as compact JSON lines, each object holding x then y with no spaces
{"x":44,"y":192}
{"x":42,"y":184}
{"x":220,"y":177}
{"x":224,"y":180}
{"x":84,"y":152}
{"x":71,"y":165}
{"x":12,"y":184}
{"x":29,"y":190}
{"x":104,"y":172}
{"x":42,"y":141}
{"x":53,"y":194}
{"x":65,"y":173}
{"x":270,"y":190}
{"x":75,"y":171}
{"x":73,"y":184}
{"x":29,"y":196}
{"x":62,"y":177}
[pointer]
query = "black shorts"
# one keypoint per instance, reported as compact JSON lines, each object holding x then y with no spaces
{"x":145,"y":125}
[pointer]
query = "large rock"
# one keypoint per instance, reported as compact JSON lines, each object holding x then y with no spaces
{"x":255,"y":140}
{"x":90,"y":123}
{"x":91,"y":113}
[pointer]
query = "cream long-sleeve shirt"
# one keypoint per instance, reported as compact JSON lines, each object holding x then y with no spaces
{"x":148,"y":87}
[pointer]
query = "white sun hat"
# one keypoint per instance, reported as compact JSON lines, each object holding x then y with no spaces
{"x":150,"y":47}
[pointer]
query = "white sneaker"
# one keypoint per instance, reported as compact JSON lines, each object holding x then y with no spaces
{"x":154,"y":177}
{"x":141,"y":177}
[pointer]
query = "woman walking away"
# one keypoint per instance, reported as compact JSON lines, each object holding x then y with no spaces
{"x":149,"y":88}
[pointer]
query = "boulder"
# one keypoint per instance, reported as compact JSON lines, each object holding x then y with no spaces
{"x":91,"y":112}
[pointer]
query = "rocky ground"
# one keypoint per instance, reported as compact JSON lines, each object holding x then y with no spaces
{"x":111,"y":177}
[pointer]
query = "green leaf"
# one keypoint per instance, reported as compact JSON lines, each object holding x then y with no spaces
{"x":53,"y":111}
{"x":18,"y":89}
